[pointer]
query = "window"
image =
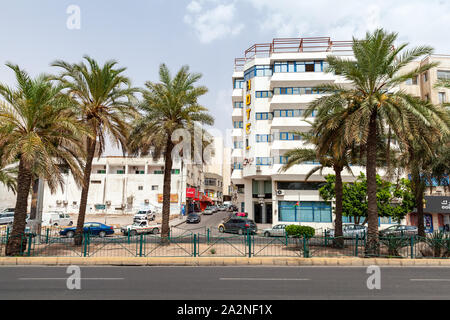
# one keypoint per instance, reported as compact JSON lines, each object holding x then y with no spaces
{"x":264,"y":161}
{"x":411,"y":81}
{"x":154,"y":188}
{"x":238,"y":124}
{"x":175,"y":171}
{"x":312,"y":211}
{"x":120,"y":171}
{"x":258,"y":71}
{"x":288,"y":113}
{"x":140,"y":188}
{"x":264,"y":116}
{"x":263,"y":94}
{"x":158,"y":172}
{"x":238,"y":83}
{"x":238,"y":104}
{"x":299,"y":185}
{"x":441,"y":96}
{"x":309,"y":67}
{"x":101,"y":171}
{"x":299,"y":66}
{"x":283,"y":160}
{"x":295,"y":91}
{"x":443,"y":74}
{"x":425,"y":77}
{"x":237,"y":166}
{"x":263,"y":138}
{"x":238,"y":144}
{"x":95,"y":182}
{"x":289,"y":136}
{"x":139,"y":172}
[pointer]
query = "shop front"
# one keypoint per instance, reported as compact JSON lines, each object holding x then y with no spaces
{"x":436,"y":214}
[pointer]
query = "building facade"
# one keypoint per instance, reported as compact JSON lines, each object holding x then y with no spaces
{"x":437,"y":194}
{"x":272,"y":88}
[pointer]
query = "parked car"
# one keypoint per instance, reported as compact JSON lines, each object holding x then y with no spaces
{"x":350,"y":231}
{"x":145,"y":215}
{"x":193,"y":218}
{"x":208,"y":211}
{"x":140,"y":227}
{"x":56,"y":218}
{"x":241,"y":214}
{"x":7,"y":216}
{"x":93,"y":228}
{"x":232,"y":208}
{"x":238,"y":225}
{"x":398,"y":231}
{"x":276,"y":231}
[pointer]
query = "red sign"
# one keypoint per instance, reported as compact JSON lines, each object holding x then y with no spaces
{"x":190,"y":192}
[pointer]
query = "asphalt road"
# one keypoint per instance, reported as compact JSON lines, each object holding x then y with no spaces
{"x":207,"y":221}
{"x":224,"y":283}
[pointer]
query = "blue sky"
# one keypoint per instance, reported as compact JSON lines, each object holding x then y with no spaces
{"x":205,"y":34}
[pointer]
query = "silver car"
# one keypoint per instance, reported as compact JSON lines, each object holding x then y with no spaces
{"x":7,"y":216}
{"x":350,"y":231}
{"x":276,"y":231}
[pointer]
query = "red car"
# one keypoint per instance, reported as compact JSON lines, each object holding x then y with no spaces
{"x":241,"y":214}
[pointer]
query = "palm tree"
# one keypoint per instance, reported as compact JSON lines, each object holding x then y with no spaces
{"x":373,"y":103}
{"x":39,"y":129}
{"x":104,"y":102}
{"x":330,"y":151}
{"x":167,"y":106}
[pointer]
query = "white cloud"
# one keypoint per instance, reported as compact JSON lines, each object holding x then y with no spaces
{"x":214,"y":22}
{"x":416,"y":21}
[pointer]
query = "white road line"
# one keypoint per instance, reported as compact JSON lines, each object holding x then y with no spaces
{"x":48,"y":279}
{"x":429,"y":279}
{"x":260,"y":279}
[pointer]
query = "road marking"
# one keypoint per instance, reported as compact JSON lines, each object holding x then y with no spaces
{"x":261,"y":279}
{"x":47,"y":279}
{"x":429,"y":279}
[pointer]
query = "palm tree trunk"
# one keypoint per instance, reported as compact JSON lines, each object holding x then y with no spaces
{"x":91,"y":144}
{"x":34,"y":198}
{"x":388,"y":156}
{"x":339,"y":242}
{"x":418,"y":189}
{"x":166,"y":190}
{"x":371,"y":172}
{"x":17,"y":240}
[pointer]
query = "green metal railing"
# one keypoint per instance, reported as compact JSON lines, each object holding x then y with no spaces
{"x":208,"y":243}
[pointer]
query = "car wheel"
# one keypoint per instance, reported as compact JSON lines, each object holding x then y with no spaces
{"x":221,"y":229}
{"x":133,"y":233}
{"x":155,"y":231}
{"x":55,"y":224}
{"x":267,"y":234}
{"x":70,"y":234}
{"x":71,"y":223}
{"x":102,"y":234}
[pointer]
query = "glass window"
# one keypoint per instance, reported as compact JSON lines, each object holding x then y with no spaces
{"x":443,"y":74}
{"x":441,"y":96}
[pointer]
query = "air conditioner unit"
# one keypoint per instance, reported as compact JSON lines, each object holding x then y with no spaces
{"x":258,"y":169}
{"x":146,"y":201}
{"x":58,"y":201}
{"x":108,"y":203}
{"x":280,"y":192}
{"x":65,"y":202}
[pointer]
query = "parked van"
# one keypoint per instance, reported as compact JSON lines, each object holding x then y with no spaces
{"x":56,"y":218}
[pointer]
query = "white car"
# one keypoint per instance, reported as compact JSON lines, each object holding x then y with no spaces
{"x":144,"y":215}
{"x":208,"y":211}
{"x":56,"y":218}
{"x":276,"y":231}
{"x":350,"y":231}
{"x":140,"y":227}
{"x":7,"y":216}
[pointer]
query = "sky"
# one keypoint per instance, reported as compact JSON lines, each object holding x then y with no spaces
{"x":207,"y":35}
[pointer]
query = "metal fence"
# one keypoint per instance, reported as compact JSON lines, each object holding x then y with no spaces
{"x":207,"y":244}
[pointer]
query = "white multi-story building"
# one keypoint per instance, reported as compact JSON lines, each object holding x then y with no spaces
{"x":273,"y":86}
{"x":122,"y":185}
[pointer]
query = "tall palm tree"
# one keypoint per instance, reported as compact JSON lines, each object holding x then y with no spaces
{"x":330,"y":151}
{"x":105,"y":103}
{"x":167,"y":106}
{"x":39,"y":129}
{"x":373,"y":102}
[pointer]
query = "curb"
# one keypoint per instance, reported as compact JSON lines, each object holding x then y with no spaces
{"x":217,"y":261}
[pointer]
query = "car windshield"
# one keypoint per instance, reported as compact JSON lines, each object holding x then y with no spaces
{"x":192,"y":215}
{"x":142,"y":212}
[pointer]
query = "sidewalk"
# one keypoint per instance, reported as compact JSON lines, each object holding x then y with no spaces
{"x":219,"y":261}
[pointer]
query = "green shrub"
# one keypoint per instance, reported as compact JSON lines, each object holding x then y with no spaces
{"x":300,"y":231}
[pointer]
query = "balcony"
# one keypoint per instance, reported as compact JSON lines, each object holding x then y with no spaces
{"x":301,"y":79}
{"x":237,"y":114}
{"x":290,"y":123}
{"x":284,"y":100}
{"x":236,"y":132}
{"x":237,"y":153}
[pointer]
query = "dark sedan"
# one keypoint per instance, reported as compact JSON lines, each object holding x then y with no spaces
{"x":93,"y":228}
{"x":193,"y":218}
